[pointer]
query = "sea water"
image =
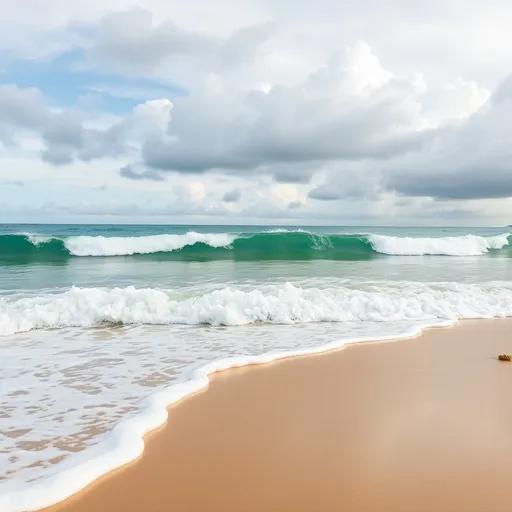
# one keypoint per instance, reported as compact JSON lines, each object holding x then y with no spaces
{"x":102,"y":327}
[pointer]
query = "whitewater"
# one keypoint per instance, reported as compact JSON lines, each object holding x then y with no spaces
{"x":274,"y":244}
{"x":102,"y":327}
{"x":285,"y":304}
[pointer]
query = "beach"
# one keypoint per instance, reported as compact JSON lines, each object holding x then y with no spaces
{"x":255,"y":259}
{"x":104,"y":328}
{"x":418,"y":424}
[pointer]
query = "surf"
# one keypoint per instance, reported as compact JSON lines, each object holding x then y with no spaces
{"x":264,"y":246}
{"x":284,"y":304}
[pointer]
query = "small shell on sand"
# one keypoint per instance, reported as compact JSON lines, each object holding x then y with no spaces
{"x":504,"y":357}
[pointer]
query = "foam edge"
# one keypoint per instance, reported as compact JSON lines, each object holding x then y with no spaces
{"x":125,"y":443}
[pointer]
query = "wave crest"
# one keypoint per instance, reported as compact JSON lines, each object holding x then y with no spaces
{"x":284,"y":304}
{"x":278,"y":245}
{"x":469,"y":245}
{"x":126,"y":246}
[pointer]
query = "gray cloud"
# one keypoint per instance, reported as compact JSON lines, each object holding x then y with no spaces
{"x":294,"y":172}
{"x":443,"y":39}
{"x":352,"y":181}
{"x":294,"y":205}
{"x":266,"y":105}
{"x":323,"y":119}
{"x":476,"y":183}
{"x":468,"y":161}
{"x":325,"y":193}
{"x":504,"y":90}
{"x":64,"y":135}
{"x":232,"y":196}
{"x":340,"y":188}
{"x":350,"y":111}
{"x":130,"y":42}
{"x":130,"y":173}
{"x":20,"y":109}
{"x":366,"y":213}
{"x":67,"y":140}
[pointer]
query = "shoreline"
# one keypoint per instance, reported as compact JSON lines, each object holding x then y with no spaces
{"x":291,"y":365}
{"x":125,"y":443}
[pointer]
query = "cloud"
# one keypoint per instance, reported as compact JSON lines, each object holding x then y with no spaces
{"x":325,"y":193}
{"x":65,"y":134}
{"x":193,"y":191}
{"x":275,"y":107}
{"x":349,"y":181}
{"x":67,"y":140}
{"x":363,"y":127}
{"x":351,"y":109}
{"x":504,"y":90}
{"x":294,"y":205}
{"x":285,"y":194}
{"x":20,"y":109}
{"x":469,"y":161}
{"x":232,"y":196}
{"x":130,"y":42}
{"x":446,"y":184}
{"x":128,"y":172}
{"x":152,"y":115}
{"x":290,"y":172}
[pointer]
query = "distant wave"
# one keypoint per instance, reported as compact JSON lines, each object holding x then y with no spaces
{"x":468,"y":245}
{"x":271,"y":245}
{"x":127,"y":246}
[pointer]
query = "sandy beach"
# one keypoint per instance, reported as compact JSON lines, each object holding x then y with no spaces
{"x":415,"y":425}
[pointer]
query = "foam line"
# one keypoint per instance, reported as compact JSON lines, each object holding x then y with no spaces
{"x":279,"y":304}
{"x":125,"y":442}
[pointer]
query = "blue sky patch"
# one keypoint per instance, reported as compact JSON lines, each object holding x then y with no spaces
{"x":63,"y":85}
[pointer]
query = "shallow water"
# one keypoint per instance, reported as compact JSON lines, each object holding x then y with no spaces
{"x":87,"y":339}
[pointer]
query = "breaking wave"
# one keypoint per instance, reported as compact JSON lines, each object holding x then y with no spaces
{"x":280,"y":304}
{"x":276,"y":245}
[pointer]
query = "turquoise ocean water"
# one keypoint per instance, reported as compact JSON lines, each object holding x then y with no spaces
{"x":102,"y":326}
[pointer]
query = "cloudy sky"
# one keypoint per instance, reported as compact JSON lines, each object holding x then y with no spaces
{"x":256,"y":111}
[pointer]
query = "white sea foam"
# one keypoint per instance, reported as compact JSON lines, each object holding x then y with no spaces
{"x":75,"y":404}
{"x":36,"y":239}
{"x":123,"y":246}
{"x":280,"y":304}
{"x":286,"y":230}
{"x":85,"y":379}
{"x":469,"y":245}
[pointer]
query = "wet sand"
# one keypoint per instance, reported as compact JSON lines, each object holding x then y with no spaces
{"x":419,"y":425}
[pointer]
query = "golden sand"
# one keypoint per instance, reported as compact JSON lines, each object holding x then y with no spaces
{"x":418,"y":425}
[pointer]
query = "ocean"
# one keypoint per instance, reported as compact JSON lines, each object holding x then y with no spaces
{"x":102,"y":327}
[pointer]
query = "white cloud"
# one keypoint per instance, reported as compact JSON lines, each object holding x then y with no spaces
{"x":285,"y":194}
{"x":194,"y":191}
{"x":350,"y":109}
{"x":152,"y":115}
{"x":286,"y":107}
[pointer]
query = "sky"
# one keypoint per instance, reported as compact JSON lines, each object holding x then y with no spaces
{"x":256,"y":112}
